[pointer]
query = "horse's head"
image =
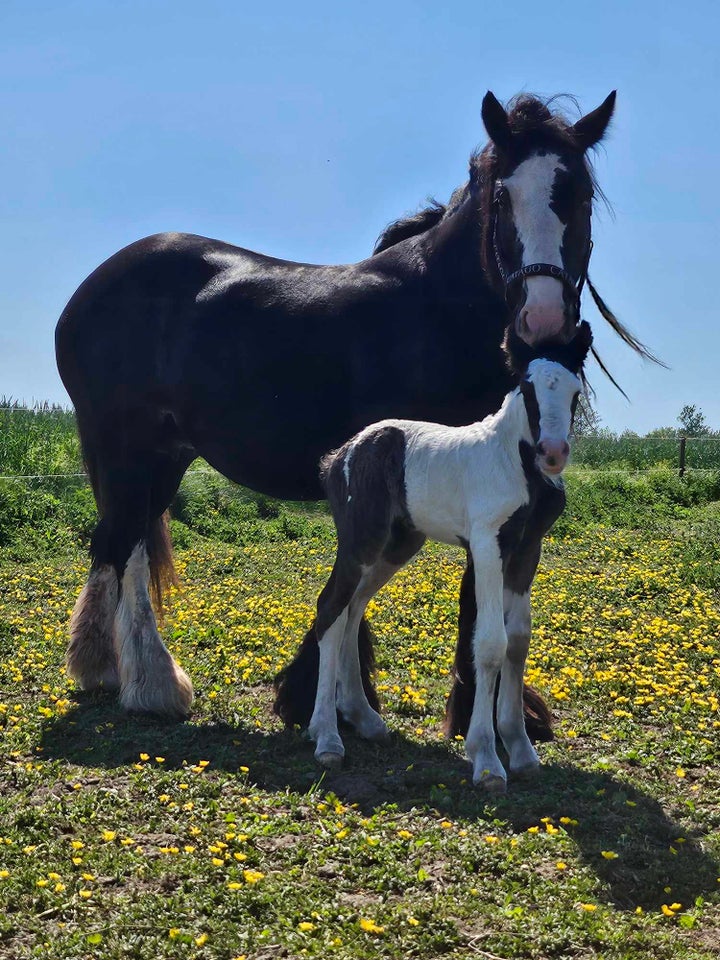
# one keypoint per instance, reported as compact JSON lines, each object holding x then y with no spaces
{"x":536,"y":188}
{"x":551,"y":383}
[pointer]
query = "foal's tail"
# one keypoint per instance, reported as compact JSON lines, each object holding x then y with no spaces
{"x":296,"y":684}
{"x":458,"y":710}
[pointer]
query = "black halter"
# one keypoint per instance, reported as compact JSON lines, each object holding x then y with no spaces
{"x":541,"y":270}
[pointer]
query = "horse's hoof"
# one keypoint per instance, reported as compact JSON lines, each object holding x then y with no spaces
{"x":330,"y":761}
{"x":492,"y":784}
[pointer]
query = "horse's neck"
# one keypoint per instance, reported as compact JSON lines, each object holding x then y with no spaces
{"x":453,"y":253}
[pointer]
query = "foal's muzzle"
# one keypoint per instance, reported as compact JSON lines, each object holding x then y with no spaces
{"x":552,"y":456}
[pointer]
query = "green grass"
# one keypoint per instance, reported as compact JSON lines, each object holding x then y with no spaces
{"x":108,"y":853}
{"x":219,"y":838}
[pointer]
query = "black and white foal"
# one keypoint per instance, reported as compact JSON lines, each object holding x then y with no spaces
{"x":398,"y":482}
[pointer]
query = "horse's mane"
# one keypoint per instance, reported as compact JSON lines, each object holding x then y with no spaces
{"x":529,"y":118}
{"x":410,"y":226}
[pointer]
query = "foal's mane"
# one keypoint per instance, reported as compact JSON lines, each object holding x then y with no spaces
{"x":534,"y":125}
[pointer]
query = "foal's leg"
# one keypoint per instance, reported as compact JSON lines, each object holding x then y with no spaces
{"x":519,"y":575}
{"x":489,"y":648}
{"x":91,"y":659}
{"x":332,"y":618}
{"x":510,"y":719}
{"x":150,"y":680}
{"x":352,"y":701}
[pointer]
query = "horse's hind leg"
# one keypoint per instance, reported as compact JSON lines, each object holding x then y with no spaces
{"x":133,"y":537}
{"x":150,"y":680}
{"x":91,"y":659}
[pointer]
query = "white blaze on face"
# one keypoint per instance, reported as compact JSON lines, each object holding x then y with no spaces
{"x":540,"y":232}
{"x":555,"y":389}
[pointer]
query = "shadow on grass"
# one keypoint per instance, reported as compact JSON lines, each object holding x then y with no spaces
{"x":611,"y":815}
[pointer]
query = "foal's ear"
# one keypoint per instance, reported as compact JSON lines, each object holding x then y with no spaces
{"x":591,"y":128}
{"x":496,"y":121}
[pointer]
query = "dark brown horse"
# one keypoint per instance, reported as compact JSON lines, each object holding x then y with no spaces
{"x":180,"y":347}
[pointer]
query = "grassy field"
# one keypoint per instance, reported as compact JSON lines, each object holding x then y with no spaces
{"x":219,"y":838}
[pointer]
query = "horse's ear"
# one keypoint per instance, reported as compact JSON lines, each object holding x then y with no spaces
{"x":496,"y":121}
{"x":591,"y":128}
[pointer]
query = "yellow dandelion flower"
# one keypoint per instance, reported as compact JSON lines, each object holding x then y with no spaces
{"x":609,"y":854}
{"x":306,"y":926}
{"x":252,"y":876}
{"x":369,"y":926}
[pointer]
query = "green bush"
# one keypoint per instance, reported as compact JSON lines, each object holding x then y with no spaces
{"x":645,"y":500}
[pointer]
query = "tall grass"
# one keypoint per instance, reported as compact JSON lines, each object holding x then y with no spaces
{"x":38,"y":440}
{"x":609,"y":451}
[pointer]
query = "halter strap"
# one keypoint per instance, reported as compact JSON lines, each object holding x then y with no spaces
{"x":541,"y":270}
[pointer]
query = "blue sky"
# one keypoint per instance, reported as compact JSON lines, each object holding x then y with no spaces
{"x":300,"y":130}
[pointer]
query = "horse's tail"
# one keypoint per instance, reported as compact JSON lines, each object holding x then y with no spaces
{"x":296,"y":684}
{"x":458,"y":711}
{"x":538,"y":719}
{"x":161,"y":560}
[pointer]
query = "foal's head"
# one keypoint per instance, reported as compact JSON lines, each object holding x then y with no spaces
{"x":550,"y":386}
{"x":536,"y":189}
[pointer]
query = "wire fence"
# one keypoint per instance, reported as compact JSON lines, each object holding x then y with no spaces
{"x":40,"y":445}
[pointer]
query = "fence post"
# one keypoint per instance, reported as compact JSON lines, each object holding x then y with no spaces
{"x":683,"y":442}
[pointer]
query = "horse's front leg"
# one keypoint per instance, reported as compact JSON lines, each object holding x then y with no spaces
{"x":489,"y":648}
{"x":510,"y":720}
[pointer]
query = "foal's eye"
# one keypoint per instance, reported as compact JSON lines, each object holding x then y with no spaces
{"x":502,"y":197}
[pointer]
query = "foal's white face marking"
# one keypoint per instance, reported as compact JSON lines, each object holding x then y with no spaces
{"x":555,"y":389}
{"x":540,"y":231}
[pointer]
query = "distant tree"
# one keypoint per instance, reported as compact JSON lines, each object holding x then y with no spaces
{"x":587,"y":419}
{"x":662,"y":433}
{"x":692,"y":421}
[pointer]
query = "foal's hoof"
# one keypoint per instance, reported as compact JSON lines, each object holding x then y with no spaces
{"x":378,"y":733}
{"x":492,"y":784}
{"x":526,"y":772}
{"x":330,"y":761}
{"x":382,"y":736}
